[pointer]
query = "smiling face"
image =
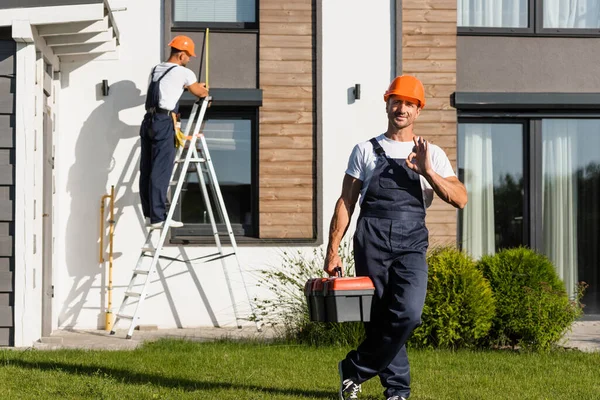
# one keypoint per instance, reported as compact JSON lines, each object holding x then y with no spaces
{"x":402,"y":111}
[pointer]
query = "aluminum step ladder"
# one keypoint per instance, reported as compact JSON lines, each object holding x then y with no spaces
{"x":204,"y":166}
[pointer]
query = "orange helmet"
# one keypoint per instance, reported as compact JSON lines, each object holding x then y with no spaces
{"x":183,"y":43}
{"x":407,"y":86}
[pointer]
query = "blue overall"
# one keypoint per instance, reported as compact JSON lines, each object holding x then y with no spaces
{"x":389,"y":246}
{"x":158,"y":154}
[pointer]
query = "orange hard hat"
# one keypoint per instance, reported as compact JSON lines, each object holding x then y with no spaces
{"x":183,"y":43}
{"x":408,"y":87}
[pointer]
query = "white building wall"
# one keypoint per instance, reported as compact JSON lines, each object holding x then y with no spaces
{"x":98,"y":146}
{"x":358,"y":39}
{"x":28,"y":271}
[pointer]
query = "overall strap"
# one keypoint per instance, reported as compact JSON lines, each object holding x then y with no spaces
{"x":163,"y":75}
{"x":377,"y":147}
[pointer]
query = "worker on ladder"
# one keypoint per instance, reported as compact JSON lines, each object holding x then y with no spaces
{"x":167,"y":82}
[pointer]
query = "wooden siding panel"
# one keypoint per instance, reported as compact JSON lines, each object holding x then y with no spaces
{"x":429,"y":5}
{"x":285,"y":194}
{"x":6,"y":210}
{"x":6,"y":247}
{"x":282,"y":155}
{"x":305,"y":105}
{"x":287,"y":79}
{"x":7,"y":94}
{"x":291,"y":219}
{"x":7,"y":57}
{"x":288,"y":41}
{"x":295,"y":5}
{"x":293,"y":16}
{"x":285,"y":28}
{"x":7,"y":160}
{"x":287,"y":92}
{"x":286,"y":67}
{"x":429,"y":15}
{"x":286,"y":54}
{"x":430,"y":66}
{"x":6,"y":335}
{"x":286,"y":142}
{"x":5,"y":264}
{"x":6,"y":175}
{"x":427,"y":28}
{"x":286,"y":181}
{"x":6,"y":281}
{"x":285,"y":130}
{"x":6,"y":316}
{"x":7,"y":130}
{"x":287,"y":206}
{"x":431,"y":41}
{"x":429,"y":52}
{"x":287,"y":231}
{"x":281,"y":117}
{"x":286,"y":120}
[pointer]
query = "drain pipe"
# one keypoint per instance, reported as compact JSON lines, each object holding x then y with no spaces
{"x":109,"y":317}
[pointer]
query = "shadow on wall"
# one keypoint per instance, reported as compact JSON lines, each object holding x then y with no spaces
{"x":87,"y":182}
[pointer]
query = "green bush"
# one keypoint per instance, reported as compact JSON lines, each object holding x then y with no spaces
{"x":533,"y":310}
{"x":459,"y":307}
{"x":287,"y":311}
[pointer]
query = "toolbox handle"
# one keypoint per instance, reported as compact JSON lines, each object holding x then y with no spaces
{"x":338,"y":271}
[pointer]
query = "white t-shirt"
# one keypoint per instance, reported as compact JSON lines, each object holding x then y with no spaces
{"x":363,"y":160}
{"x":172,"y":85}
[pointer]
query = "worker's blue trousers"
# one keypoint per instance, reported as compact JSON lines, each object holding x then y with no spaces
{"x":156,"y":164}
{"x":390,"y":243}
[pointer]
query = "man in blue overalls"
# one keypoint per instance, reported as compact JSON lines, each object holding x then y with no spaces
{"x":395,"y":175}
{"x":167,"y":82}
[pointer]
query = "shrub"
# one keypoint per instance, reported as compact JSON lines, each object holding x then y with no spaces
{"x":287,"y":311}
{"x":459,"y":307}
{"x":533,"y":310}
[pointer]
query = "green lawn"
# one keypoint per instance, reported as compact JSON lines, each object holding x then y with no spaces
{"x":225,"y":370}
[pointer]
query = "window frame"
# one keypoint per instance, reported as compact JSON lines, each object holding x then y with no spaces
{"x":526,"y":142}
{"x":535,"y":29}
{"x":196,"y":26}
{"x":202,"y":233}
{"x":532,"y":173}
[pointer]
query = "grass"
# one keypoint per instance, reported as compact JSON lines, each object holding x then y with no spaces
{"x":170,"y":369}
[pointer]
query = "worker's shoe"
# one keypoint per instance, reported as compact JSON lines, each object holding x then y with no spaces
{"x":348,"y":389}
{"x":159,"y":225}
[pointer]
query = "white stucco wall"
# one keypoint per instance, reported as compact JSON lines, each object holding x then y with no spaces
{"x":98,"y":146}
{"x":357,"y":48}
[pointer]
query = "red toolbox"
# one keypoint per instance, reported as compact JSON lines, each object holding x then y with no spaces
{"x":349,"y":299}
{"x":339,"y":299}
{"x":313,"y":290}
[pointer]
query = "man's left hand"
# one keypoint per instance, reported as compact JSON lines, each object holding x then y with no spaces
{"x":418,"y":160}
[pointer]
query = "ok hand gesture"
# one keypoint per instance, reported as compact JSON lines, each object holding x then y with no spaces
{"x":418,"y":160}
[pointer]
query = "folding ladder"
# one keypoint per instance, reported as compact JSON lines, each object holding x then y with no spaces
{"x":204,"y":166}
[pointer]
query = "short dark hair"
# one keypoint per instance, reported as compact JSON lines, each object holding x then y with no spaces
{"x":175,"y":51}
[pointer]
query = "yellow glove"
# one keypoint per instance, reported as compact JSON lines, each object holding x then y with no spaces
{"x":179,"y":136}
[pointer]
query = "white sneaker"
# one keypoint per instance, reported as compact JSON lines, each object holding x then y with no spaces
{"x":396,"y":398}
{"x":159,"y":225}
{"x":348,"y":389}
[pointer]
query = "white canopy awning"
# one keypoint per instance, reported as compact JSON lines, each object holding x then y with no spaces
{"x":65,"y":31}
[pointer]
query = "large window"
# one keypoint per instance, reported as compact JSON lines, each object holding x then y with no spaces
{"x":492,"y":170}
{"x":529,"y":17}
{"x":231,"y":141}
{"x":535,"y":182}
{"x":215,"y":13}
